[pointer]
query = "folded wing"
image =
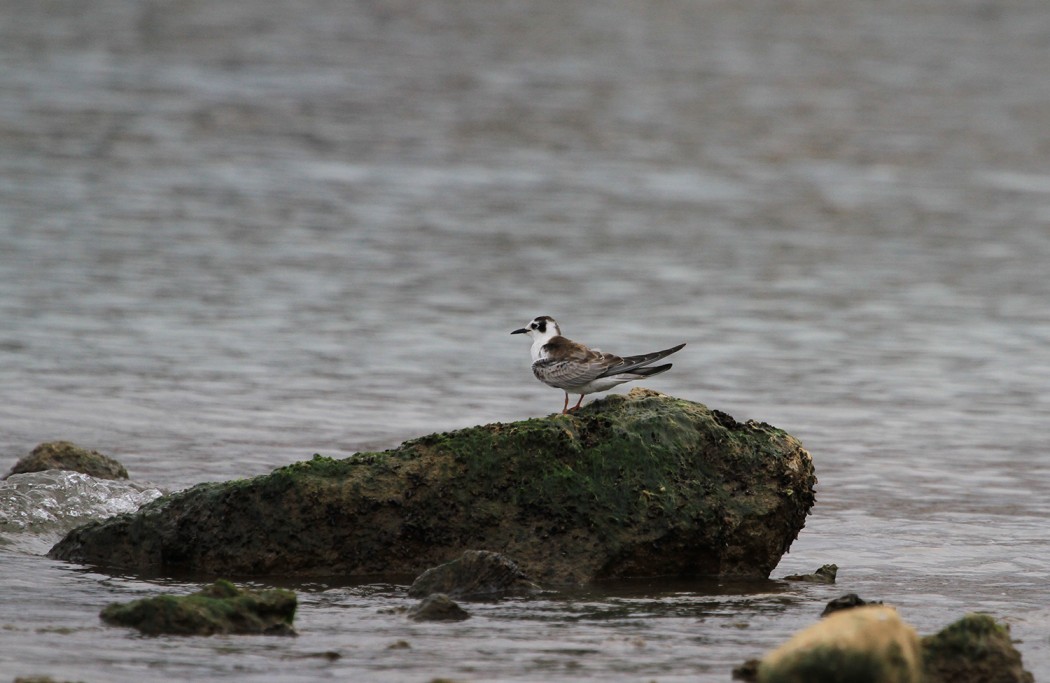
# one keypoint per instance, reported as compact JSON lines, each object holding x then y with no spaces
{"x":581,"y":366}
{"x":573,"y":372}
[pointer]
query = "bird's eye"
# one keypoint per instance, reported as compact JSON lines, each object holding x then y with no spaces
{"x":533,"y":326}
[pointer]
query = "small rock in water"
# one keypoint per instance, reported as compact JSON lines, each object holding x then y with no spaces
{"x":218,"y":608}
{"x":747,"y":672}
{"x":64,"y":455}
{"x":825,"y":574}
{"x":437,"y":607}
{"x":476,"y":573}
{"x":848,"y":601}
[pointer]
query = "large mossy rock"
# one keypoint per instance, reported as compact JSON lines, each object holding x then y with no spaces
{"x":635,"y":485}
{"x":218,"y":608}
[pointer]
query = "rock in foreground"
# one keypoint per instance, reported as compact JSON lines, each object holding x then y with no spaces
{"x":64,"y":455}
{"x":635,"y":485}
{"x":871,"y":644}
{"x":218,"y":608}
{"x":864,"y":644}
{"x":974,"y":649}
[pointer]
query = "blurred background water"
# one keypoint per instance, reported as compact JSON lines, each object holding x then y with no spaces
{"x":234,"y":234}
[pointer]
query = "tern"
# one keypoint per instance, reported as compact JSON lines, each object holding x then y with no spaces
{"x":570,"y":366}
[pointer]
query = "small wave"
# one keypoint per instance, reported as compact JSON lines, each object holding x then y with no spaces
{"x":38,"y":508}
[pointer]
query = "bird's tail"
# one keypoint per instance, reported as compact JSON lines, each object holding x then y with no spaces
{"x":639,"y":373}
{"x":632,"y":364}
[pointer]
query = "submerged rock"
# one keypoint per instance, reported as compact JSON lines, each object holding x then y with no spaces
{"x":218,"y":608}
{"x":826,"y":574}
{"x":861,"y":645}
{"x":476,"y":573}
{"x":974,"y":649}
{"x":437,"y":607}
{"x":847,"y":601}
{"x":747,"y":672}
{"x":636,"y":485}
{"x":64,"y":455}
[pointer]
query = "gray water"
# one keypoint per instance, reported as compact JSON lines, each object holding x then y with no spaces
{"x":235,"y":234}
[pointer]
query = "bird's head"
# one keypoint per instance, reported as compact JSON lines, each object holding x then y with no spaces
{"x":542,"y":328}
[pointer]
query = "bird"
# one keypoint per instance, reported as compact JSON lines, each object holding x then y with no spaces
{"x":561,"y":363}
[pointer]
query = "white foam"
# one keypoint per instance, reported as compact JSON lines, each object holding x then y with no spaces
{"x":38,"y":508}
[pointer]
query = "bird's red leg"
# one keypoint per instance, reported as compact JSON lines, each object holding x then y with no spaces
{"x":565,"y":408}
{"x":577,"y":406}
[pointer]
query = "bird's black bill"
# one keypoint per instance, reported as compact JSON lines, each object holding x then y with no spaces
{"x":521,"y":331}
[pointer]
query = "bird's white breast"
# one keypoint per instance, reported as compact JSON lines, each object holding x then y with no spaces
{"x":537,"y":350}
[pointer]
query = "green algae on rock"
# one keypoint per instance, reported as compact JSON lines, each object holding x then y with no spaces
{"x":628,"y":486}
{"x":65,"y":455}
{"x":218,"y":608}
{"x":974,"y":648}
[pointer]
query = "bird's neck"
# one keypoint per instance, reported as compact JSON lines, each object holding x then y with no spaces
{"x":538,"y":344}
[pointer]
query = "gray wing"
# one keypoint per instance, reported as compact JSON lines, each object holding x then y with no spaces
{"x":569,"y":373}
{"x":634,"y":362}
